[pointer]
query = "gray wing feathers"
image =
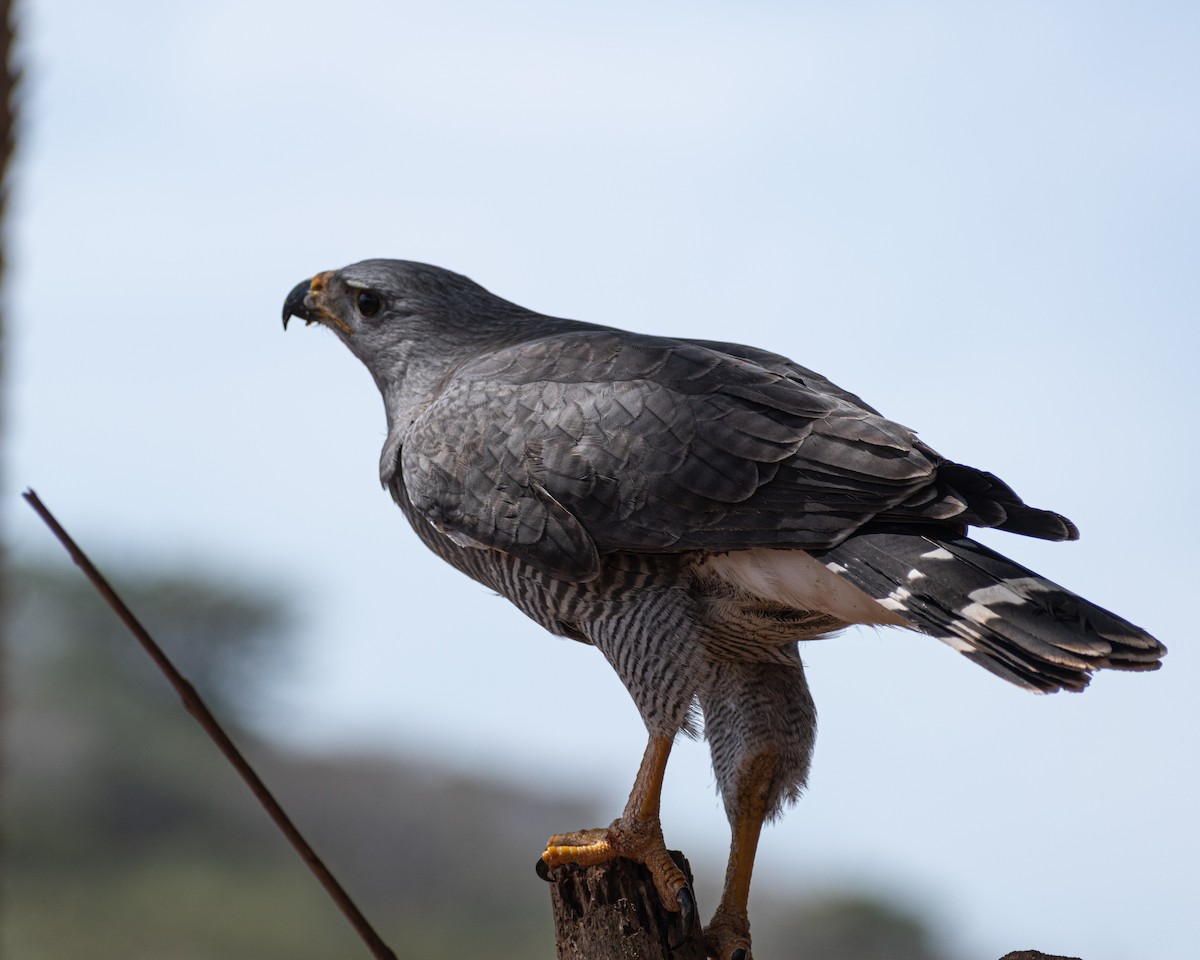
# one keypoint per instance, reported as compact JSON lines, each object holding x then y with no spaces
{"x":787,"y":368}
{"x":472,"y":485}
{"x":604,"y":441}
{"x":571,"y":446}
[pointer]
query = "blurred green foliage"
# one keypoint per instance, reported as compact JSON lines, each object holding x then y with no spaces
{"x":129,"y":837}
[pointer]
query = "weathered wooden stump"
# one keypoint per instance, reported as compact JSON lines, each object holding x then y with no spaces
{"x":612,"y":912}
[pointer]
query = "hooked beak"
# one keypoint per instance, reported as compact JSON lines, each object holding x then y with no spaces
{"x":305,"y":302}
{"x":294,"y":305}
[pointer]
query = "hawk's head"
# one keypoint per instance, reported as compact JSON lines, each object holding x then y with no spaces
{"x":387,"y":311}
{"x":377,"y":293}
{"x":400,"y":317}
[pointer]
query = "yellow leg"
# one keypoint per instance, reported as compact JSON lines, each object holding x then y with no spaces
{"x":645,"y":799}
{"x":729,"y":931}
{"x":637,"y":835}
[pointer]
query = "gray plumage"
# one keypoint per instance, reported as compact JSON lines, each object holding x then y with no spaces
{"x":694,"y":509}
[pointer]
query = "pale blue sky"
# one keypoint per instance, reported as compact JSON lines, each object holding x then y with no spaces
{"x":982,"y":218}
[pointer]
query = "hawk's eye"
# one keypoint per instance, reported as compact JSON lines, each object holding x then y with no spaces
{"x":368,"y":303}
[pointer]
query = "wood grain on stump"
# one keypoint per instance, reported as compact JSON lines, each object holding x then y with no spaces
{"x":612,"y":912}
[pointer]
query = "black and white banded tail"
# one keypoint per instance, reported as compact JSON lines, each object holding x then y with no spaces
{"x":1008,"y":619}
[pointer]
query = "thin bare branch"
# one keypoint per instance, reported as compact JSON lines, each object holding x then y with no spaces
{"x":196,"y":707}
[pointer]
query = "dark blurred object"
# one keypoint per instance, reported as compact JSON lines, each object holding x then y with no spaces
{"x":10,"y":81}
{"x":10,"y":77}
{"x":1034,"y":955}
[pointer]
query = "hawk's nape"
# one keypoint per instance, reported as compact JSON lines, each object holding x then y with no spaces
{"x":694,"y":509}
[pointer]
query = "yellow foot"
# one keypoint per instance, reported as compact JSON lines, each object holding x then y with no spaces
{"x":637,"y":840}
{"x":728,"y":937}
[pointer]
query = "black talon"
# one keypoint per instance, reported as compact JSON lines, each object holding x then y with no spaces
{"x":687,"y":912}
{"x":542,"y":869}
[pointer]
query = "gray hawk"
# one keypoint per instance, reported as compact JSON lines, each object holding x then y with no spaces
{"x":694,"y":509}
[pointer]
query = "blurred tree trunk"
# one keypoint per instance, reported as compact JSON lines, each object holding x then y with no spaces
{"x":9,"y":76}
{"x":9,"y":79}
